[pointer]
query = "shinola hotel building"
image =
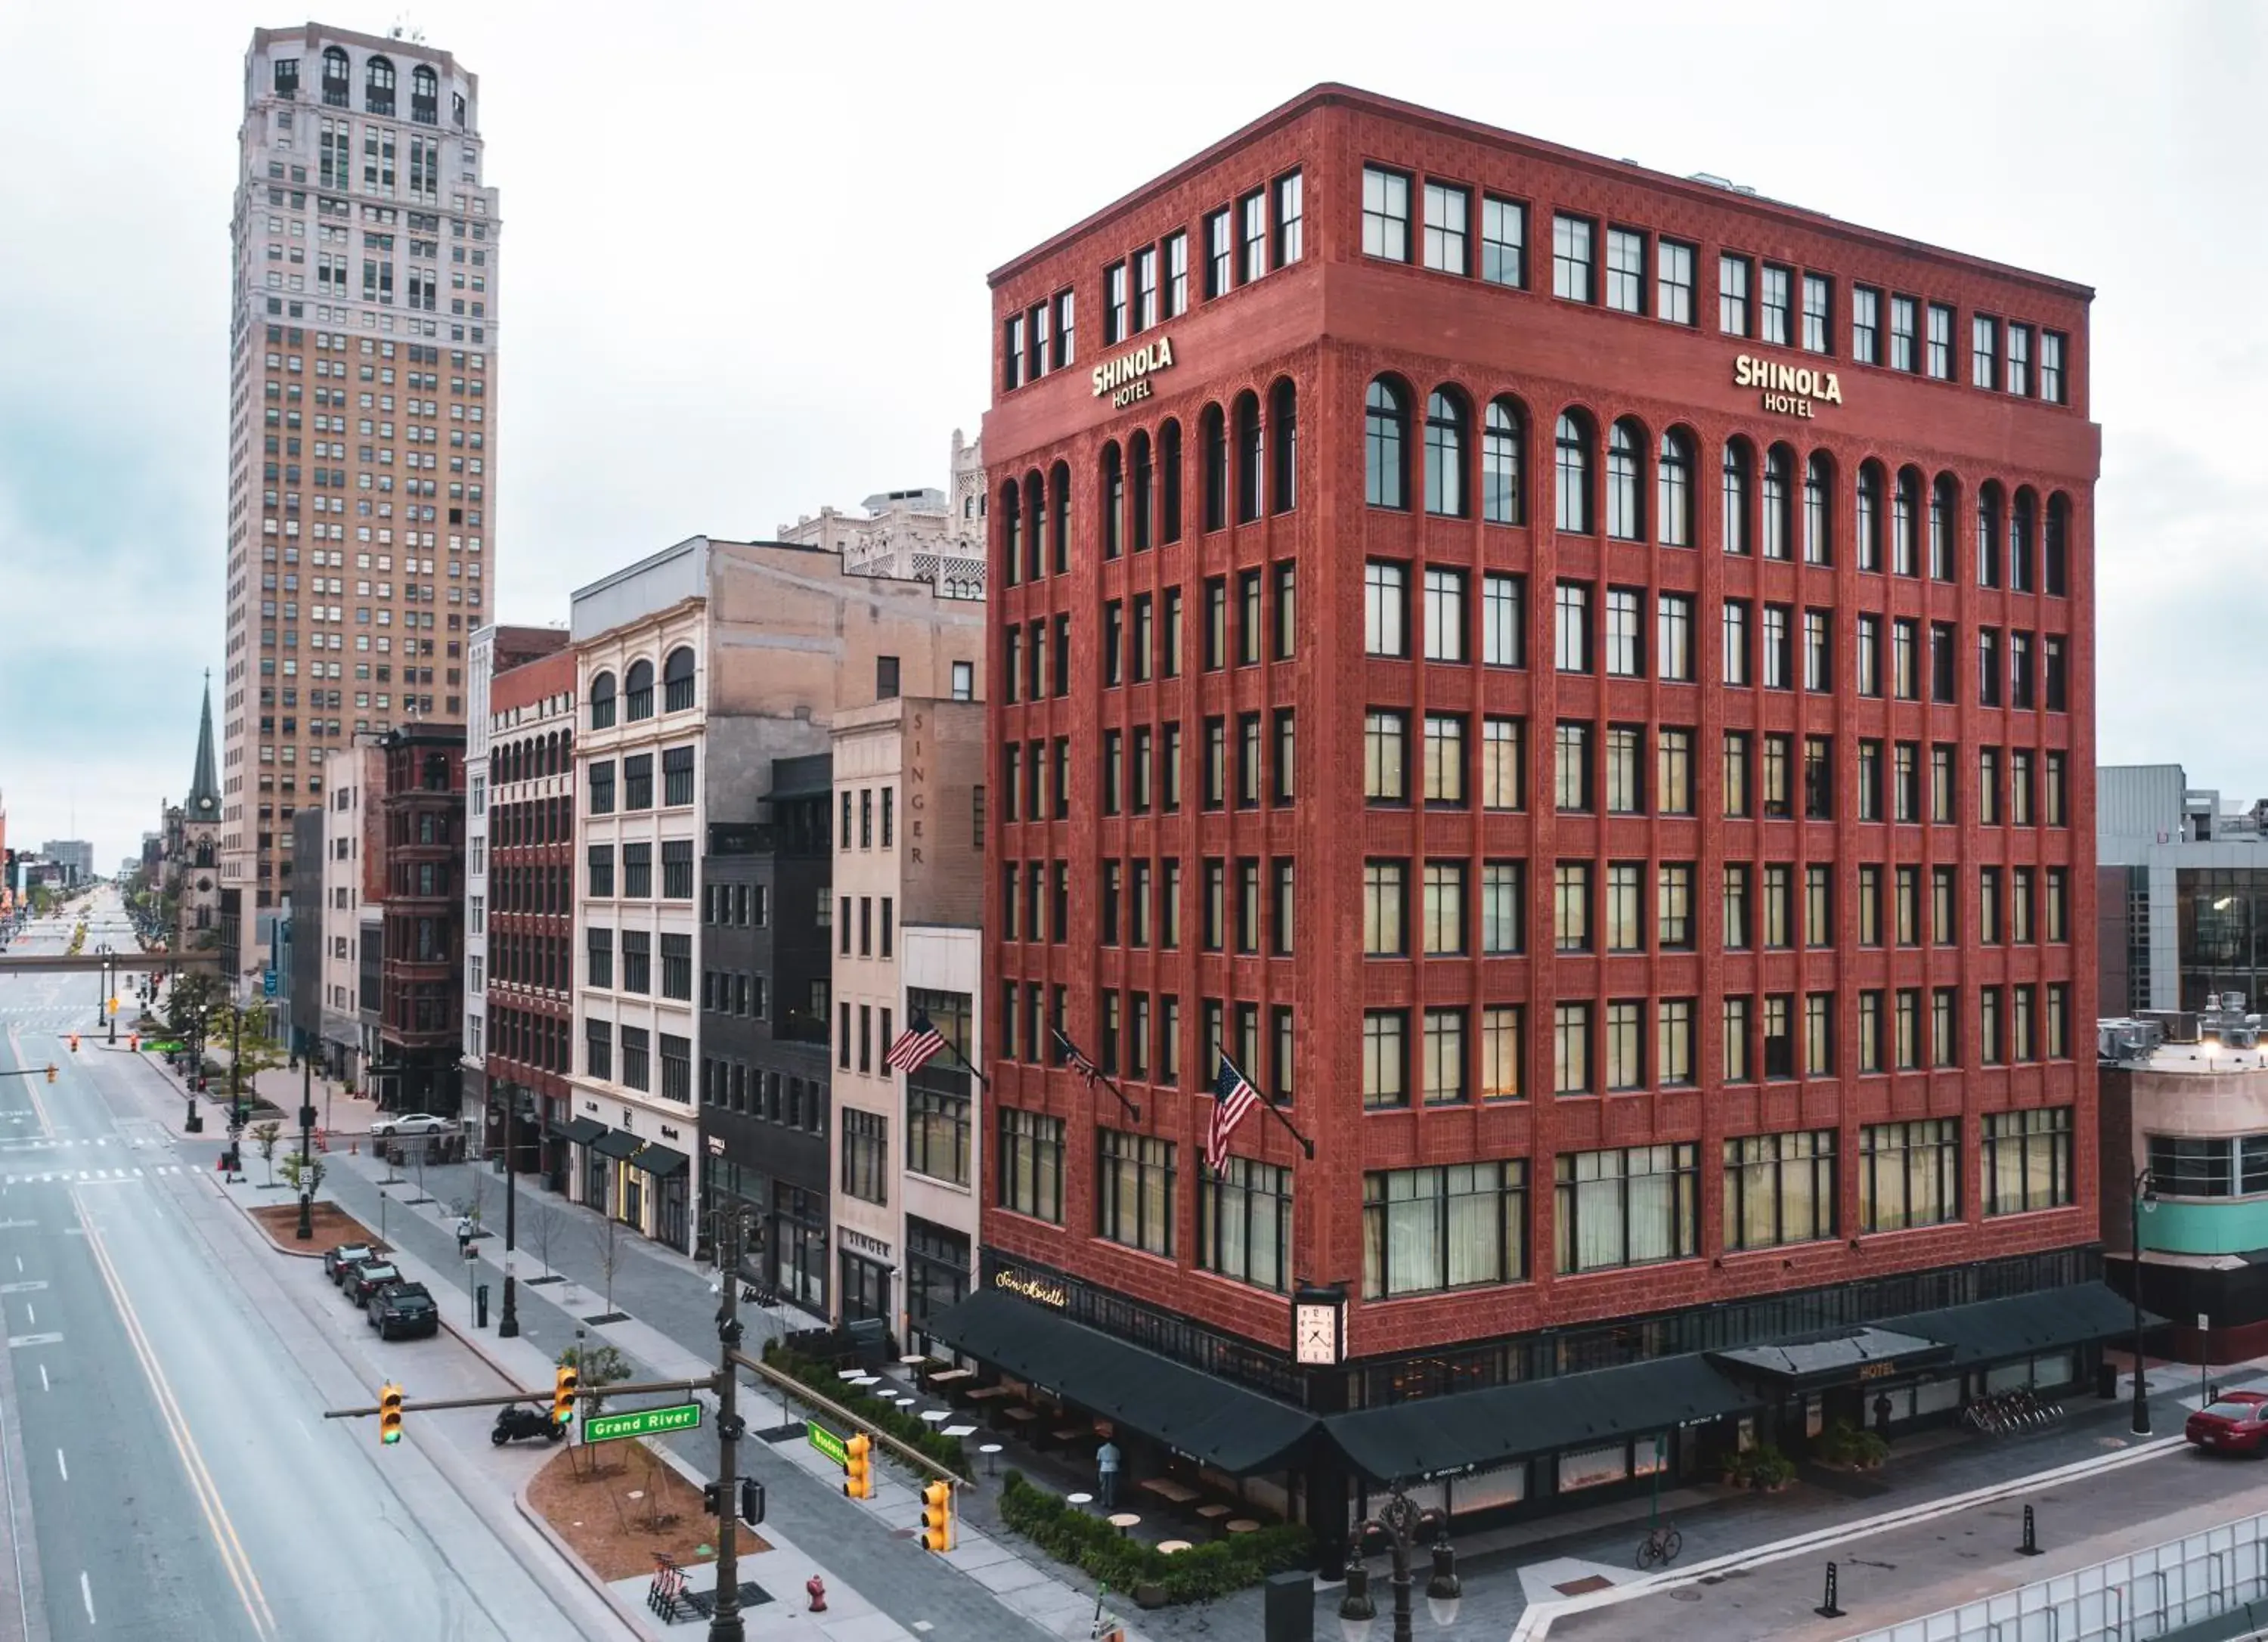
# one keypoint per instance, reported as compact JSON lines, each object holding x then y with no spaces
{"x":1580,"y":682}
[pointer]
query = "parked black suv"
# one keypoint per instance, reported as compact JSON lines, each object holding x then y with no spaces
{"x":404,"y":1311}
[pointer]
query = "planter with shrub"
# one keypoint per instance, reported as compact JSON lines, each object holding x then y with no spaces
{"x":1850,"y":1447}
{"x":1763,"y":1468}
{"x":1198,"y":1574}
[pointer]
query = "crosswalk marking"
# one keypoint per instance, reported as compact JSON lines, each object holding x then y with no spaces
{"x":93,"y":1177}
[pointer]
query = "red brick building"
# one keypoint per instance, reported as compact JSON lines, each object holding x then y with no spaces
{"x":531,"y":831}
{"x":1580,"y":683}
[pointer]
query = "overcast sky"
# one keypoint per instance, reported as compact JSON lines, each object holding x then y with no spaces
{"x":745,"y":248}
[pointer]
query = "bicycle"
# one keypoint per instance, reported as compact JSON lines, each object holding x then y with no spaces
{"x":1660,"y":1546}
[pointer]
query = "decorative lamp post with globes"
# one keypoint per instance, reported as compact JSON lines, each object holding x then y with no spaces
{"x":1400,"y":1522}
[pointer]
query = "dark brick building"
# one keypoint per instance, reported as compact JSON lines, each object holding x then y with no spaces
{"x":530,"y":911}
{"x":1579,"y":682}
{"x":421,"y":972}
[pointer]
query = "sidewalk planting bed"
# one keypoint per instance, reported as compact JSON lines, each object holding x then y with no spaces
{"x":617,"y":1536}
{"x":331,"y":1223}
{"x":886,"y":1417}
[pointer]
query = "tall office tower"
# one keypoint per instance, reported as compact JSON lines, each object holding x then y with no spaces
{"x":363,"y":341}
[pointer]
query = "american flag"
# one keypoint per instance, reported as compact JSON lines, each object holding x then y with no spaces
{"x":916,"y":1045}
{"x":1233,"y":1098}
{"x":1079,"y":1063}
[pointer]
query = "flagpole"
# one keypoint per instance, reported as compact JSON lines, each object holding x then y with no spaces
{"x":1265,"y":1100}
{"x":1092,"y":1072}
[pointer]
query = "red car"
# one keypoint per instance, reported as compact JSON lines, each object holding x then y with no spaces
{"x":2236,"y":1421}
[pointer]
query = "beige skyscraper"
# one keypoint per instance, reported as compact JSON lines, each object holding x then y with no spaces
{"x":362,"y":426}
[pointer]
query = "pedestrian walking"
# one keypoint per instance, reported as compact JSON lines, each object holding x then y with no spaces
{"x":1883,"y":1415}
{"x":1106,"y":1470}
{"x":464,"y":1236}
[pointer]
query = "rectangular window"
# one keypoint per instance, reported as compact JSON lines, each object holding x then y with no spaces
{"x":1904,"y":355}
{"x":1446,"y":210}
{"x":1114,"y":302}
{"x":1252,"y":212}
{"x":1571,"y":1048}
{"x":1177,"y":277}
{"x":1572,"y":259}
{"x":1385,"y":609}
{"x":1780,"y":1189}
{"x":1443,"y":1057}
{"x":2028,"y":1160}
{"x":1625,"y":651}
{"x":2051,"y":369}
{"x":1570,"y":906}
{"x":2020,"y":360}
{"x":1672,"y":287}
{"x":1572,"y":630}
{"x":1503,"y":758}
{"x":1244,"y":1224}
{"x":1674,"y":636}
{"x":1735,"y":648}
{"x":1221,"y":252}
{"x":1733,"y":295}
{"x":1816,"y":302}
{"x":1385,"y":922}
{"x":1445,"y":616}
{"x":1738,"y":1066}
{"x":1504,"y":621}
{"x":1626,"y":791}
{"x":1625,"y":1208}
{"x":1818,"y":651}
{"x":1626,"y":270}
{"x":1385,"y":1058}
{"x":1984,"y":352}
{"x":1775,"y":306}
{"x":1504,"y":241}
{"x":1385,"y":753}
{"x":1385,"y":214}
{"x":1572,"y":766}
{"x":1291,"y":220}
{"x":1443,"y":919}
{"x":1909,"y":1174}
{"x":1455,"y":1226}
{"x":1673,"y":771}
{"x":1134,"y":1190}
{"x":1866,"y":325}
{"x":866,"y":1155}
{"x":1940,"y":342}
{"x":1735,"y":767}
{"x":1031,"y":1166}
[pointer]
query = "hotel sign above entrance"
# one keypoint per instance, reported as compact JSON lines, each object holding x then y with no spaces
{"x":1788,"y":390}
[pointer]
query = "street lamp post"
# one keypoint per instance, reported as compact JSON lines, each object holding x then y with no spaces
{"x":725,"y":1622}
{"x":1400,"y":1523}
{"x":508,"y":1324}
{"x":2144,"y":1185}
{"x":306,"y":1125}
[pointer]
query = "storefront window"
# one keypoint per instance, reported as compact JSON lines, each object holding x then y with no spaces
{"x":937,"y":1269}
{"x":1593,"y":1467}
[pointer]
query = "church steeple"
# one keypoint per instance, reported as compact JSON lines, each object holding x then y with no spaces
{"x":204,"y":803}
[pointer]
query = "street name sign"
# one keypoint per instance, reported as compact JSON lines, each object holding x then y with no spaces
{"x":828,"y":1443}
{"x":644,"y":1421}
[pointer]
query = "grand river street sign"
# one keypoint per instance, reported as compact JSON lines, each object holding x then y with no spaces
{"x":644,"y":1421}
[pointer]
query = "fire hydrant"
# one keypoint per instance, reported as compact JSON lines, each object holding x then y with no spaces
{"x":815,"y":1588}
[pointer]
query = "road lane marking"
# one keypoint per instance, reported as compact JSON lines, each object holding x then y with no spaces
{"x":32,"y":1339}
{"x":21,"y":1288}
{"x":86,"y":1596}
{"x":233,"y":1559}
{"x":31,"y":1315}
{"x":60,"y":1466}
{"x":44,"y":1386}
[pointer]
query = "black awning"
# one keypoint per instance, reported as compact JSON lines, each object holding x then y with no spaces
{"x":2021,"y":1325}
{"x":1468,"y":1430}
{"x":1213,"y":1421}
{"x":579,"y":1130}
{"x":661,"y":1162}
{"x":617,"y":1143}
{"x":1845,"y":1356}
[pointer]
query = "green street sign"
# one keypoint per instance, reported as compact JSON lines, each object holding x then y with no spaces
{"x":644,"y":1421}
{"x":828,"y":1443}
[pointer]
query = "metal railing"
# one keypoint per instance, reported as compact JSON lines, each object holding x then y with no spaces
{"x":2134,"y":1598}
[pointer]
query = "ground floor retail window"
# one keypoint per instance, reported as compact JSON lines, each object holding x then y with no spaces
{"x":937,"y":1269}
{"x":598,"y":1179}
{"x":865,"y":1289}
{"x":1593,"y":1467}
{"x":1487,"y":1491}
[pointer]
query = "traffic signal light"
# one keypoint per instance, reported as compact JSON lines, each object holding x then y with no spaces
{"x":712,"y":1498}
{"x":51,"y":1072}
{"x":564,"y":1384}
{"x":937,"y":1516}
{"x":389,"y":1413}
{"x":859,"y":1467}
{"x":114,"y":1003}
{"x":133,"y":1042}
{"x":752,"y":1501}
{"x":74,"y":1043}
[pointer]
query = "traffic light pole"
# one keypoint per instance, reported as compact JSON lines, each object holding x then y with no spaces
{"x":724,"y":1618}
{"x":307,"y":1231}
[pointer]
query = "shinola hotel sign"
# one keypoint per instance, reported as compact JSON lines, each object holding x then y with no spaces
{"x":1126,"y":379}
{"x":1789,"y":390}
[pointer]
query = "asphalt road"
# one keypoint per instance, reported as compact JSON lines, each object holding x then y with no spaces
{"x":160,"y":1397}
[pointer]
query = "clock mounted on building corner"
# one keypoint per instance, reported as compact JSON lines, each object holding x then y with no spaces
{"x":1319,"y":1327}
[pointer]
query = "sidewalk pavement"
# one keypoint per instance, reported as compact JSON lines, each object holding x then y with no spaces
{"x":899,"y":1585}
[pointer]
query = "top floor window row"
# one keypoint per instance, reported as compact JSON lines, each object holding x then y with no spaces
{"x":634,"y":699}
{"x":1453,"y":228}
{"x":380,"y":82}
